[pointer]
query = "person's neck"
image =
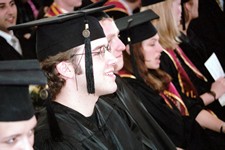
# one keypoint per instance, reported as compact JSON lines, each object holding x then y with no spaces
{"x":186,"y":27}
{"x":77,"y":100}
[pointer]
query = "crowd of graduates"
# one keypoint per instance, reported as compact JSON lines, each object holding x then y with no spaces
{"x":111,"y":74}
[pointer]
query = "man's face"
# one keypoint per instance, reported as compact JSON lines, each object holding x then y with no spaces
{"x":115,"y":44}
{"x":8,"y":14}
{"x":17,"y":135}
{"x":103,"y":68}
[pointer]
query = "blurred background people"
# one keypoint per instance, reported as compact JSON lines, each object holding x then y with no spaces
{"x":13,"y":46}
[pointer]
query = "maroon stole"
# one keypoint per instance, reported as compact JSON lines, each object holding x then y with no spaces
{"x":186,"y":84}
{"x":172,"y":95}
{"x":125,"y":74}
{"x":119,"y":6}
{"x":54,"y":10}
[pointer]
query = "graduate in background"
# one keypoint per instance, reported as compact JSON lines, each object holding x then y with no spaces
{"x":17,"y":116}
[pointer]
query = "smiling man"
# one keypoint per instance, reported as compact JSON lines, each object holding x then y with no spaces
{"x":79,"y":69}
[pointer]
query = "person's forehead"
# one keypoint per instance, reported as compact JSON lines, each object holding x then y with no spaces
{"x":95,"y":43}
{"x":110,"y":28}
{"x":99,"y":42}
{"x":12,"y":127}
{"x":5,"y":1}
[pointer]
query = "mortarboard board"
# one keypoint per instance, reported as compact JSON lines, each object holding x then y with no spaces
{"x":100,"y":14}
{"x":61,"y":33}
{"x":15,"y":77}
{"x":136,"y":28}
{"x":86,"y":4}
{"x":150,"y":2}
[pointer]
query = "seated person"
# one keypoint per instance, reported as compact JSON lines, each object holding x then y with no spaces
{"x":17,"y":116}
{"x":176,"y":115}
{"x":73,"y":52}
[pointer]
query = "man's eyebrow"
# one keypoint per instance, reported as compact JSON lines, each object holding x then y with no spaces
{"x":98,"y":47}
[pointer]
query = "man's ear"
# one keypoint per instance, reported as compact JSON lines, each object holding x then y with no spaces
{"x":65,"y":69}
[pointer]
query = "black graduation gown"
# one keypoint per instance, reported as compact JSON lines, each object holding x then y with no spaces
{"x":202,"y":87}
{"x":210,"y":27}
{"x":103,"y":130}
{"x":196,"y":51}
{"x":7,"y":52}
{"x":183,"y":130}
{"x":132,"y":110}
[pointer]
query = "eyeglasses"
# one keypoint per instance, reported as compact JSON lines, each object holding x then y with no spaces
{"x":100,"y":52}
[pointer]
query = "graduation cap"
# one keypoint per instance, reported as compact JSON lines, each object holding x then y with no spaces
{"x":86,"y":4}
{"x":150,"y":2}
{"x":15,"y":77}
{"x":61,"y":33}
{"x":136,"y":28}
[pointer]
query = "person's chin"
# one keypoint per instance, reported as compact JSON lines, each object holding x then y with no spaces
{"x":119,"y":66}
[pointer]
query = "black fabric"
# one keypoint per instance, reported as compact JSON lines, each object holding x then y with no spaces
{"x":137,"y":117}
{"x":202,"y":86}
{"x":183,"y":130}
{"x":15,"y":77}
{"x":15,"y":103}
{"x":196,"y":51}
{"x":150,"y":2}
{"x":71,"y":36}
{"x":105,"y":129}
{"x":9,"y":53}
{"x":137,"y":26}
{"x":210,"y":28}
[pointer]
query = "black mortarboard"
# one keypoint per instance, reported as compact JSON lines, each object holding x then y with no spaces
{"x":150,"y":2}
{"x":136,"y":28}
{"x":46,"y":2}
{"x":15,"y":77}
{"x":86,"y":4}
{"x":89,"y":4}
{"x":61,"y":33}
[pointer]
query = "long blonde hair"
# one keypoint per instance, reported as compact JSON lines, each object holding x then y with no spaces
{"x":167,"y":26}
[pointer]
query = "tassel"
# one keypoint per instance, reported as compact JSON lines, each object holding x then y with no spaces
{"x":88,"y":59}
{"x":133,"y":61}
{"x":54,"y":128}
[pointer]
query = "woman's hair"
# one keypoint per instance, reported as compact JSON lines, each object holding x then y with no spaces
{"x":55,"y":81}
{"x":167,"y":26}
{"x":157,"y":79}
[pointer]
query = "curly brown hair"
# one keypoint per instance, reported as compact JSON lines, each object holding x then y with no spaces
{"x":55,"y":81}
